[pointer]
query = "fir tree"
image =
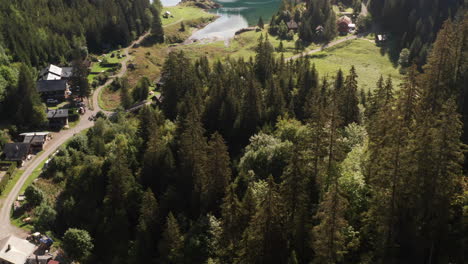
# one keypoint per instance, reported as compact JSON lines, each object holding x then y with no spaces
{"x":172,"y":242}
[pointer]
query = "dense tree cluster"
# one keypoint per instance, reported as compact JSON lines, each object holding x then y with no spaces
{"x":40,"y":32}
{"x":316,"y":21}
{"x":414,"y":24}
{"x":263,"y":161}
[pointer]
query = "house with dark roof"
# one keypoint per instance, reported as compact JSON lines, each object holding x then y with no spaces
{"x":17,"y":152}
{"x":292,"y":25}
{"x":57,"y":89}
{"x":57,"y":117}
{"x":36,"y":140}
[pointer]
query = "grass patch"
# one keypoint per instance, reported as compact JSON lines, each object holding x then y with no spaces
{"x":12,"y":182}
{"x":181,"y":12}
{"x":366,"y":58}
{"x":108,"y":100}
{"x":34,"y":175}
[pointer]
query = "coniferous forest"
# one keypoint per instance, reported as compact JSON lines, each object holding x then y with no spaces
{"x":265,"y":161}
{"x":254,"y":160}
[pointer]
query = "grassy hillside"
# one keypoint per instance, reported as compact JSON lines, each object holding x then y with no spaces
{"x":361,"y":53}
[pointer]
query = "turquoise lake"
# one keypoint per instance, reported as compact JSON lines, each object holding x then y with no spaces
{"x":234,"y":15}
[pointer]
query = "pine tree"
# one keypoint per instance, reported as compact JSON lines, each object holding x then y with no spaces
{"x":251,"y":113}
{"x":157,"y":31}
{"x":264,"y":59}
{"x":295,"y":191}
{"x":274,"y":101}
{"x":30,"y":112}
{"x":260,"y":23}
{"x":172,"y":242}
{"x":145,"y":244}
{"x":218,"y":173}
{"x":264,"y":240}
{"x":231,"y":212}
{"x":79,"y":78}
{"x":193,"y":159}
{"x":328,"y":238}
{"x":125,"y":97}
{"x":349,"y":109}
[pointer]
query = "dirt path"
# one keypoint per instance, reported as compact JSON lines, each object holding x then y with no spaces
{"x":58,"y":139}
{"x":331,"y":44}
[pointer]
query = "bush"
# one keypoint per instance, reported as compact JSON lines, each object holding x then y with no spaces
{"x":77,"y":244}
{"x":9,"y":173}
{"x":73,"y":114}
{"x":34,"y":196}
{"x":45,"y":217}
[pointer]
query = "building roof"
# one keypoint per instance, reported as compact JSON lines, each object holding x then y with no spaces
{"x":34,"y":139}
{"x":53,"y":262}
{"x":292,"y":24}
{"x":15,"y":250}
{"x":345,"y":19}
{"x":57,"y":113}
{"x":15,"y":151}
{"x":45,"y":133}
{"x":51,"y":85}
{"x":51,"y":72}
{"x":67,"y":72}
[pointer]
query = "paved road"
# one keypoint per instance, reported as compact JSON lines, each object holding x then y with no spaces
{"x":58,"y":139}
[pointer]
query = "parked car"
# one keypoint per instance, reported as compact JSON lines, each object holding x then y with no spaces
{"x":52,"y":101}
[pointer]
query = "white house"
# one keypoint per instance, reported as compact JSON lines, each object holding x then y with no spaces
{"x":15,"y":250}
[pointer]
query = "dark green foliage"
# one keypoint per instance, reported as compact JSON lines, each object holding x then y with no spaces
{"x":264,"y":161}
{"x":45,"y":217}
{"x":170,"y":246}
{"x":125,"y":96}
{"x":77,"y":244}
{"x":24,"y":102}
{"x":157,"y":31}
{"x":51,"y":36}
{"x":34,"y":196}
{"x":260,"y":23}
{"x":79,"y":82}
{"x":414,"y":24}
{"x":141,"y":90}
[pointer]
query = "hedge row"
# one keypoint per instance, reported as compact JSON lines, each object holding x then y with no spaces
{"x":8,"y":175}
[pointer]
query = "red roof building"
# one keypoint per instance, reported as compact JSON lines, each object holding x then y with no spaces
{"x":343,"y":24}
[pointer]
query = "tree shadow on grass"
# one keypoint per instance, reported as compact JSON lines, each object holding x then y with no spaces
{"x":392,"y":50}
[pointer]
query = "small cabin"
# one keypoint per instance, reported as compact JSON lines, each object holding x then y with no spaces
{"x":17,"y":152}
{"x":58,"y":118}
{"x":344,"y":23}
{"x":167,"y":14}
{"x":292,"y":25}
{"x":36,"y":140}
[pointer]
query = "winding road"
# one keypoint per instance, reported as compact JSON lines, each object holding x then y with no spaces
{"x":59,"y":138}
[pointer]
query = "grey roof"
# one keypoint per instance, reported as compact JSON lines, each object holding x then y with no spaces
{"x":59,"y":113}
{"x":51,"y":85}
{"x":67,"y":72}
{"x":15,"y":250}
{"x":16,"y":151}
{"x":292,"y":24}
{"x":34,"y":139}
